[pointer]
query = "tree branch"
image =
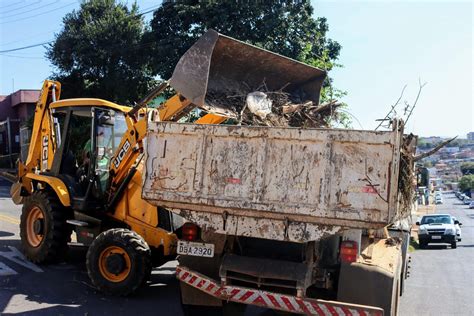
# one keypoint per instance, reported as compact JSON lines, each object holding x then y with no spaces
{"x":392,"y":108}
{"x":434,"y":150}
{"x":416,"y":100}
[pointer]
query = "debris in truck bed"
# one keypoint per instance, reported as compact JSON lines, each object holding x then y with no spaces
{"x":406,"y":177}
{"x":286,"y":109}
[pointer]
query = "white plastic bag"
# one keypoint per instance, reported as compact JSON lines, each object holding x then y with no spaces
{"x":259,"y":104}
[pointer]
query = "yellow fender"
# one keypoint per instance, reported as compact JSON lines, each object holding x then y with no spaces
{"x":56,"y":184}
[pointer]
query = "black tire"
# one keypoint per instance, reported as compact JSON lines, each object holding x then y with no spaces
{"x":134,"y":271}
{"x":55,"y":232}
{"x":422,"y":245}
{"x":233,"y":309}
{"x":454,"y":245}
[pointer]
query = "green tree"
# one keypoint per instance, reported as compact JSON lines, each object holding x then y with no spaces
{"x":467,"y":183}
{"x":467,"y":168}
{"x":98,"y":53}
{"x":284,"y":27}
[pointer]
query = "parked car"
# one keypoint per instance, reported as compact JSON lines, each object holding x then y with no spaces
{"x":458,"y":228}
{"x":467,"y":201}
{"x":471,"y":205}
{"x":438,"y":228}
{"x":438,"y":200}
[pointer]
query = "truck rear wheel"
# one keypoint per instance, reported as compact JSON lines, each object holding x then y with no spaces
{"x":44,"y":232}
{"x":118,"y":261}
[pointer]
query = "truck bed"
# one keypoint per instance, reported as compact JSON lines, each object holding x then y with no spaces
{"x":276,"y":183}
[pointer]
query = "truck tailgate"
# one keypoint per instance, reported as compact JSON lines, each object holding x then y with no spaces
{"x":278,"y":183}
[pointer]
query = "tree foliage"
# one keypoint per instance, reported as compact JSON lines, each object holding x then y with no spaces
{"x":285,"y":27}
{"x":466,"y":183}
{"x":99,"y":53}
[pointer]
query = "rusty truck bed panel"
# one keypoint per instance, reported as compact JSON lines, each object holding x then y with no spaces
{"x":273,"y":178}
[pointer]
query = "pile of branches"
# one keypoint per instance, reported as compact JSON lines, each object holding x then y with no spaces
{"x":287,"y":109}
{"x":406,"y":176}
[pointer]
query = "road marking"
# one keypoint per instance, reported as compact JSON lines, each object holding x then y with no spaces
{"x":16,"y":256}
{"x":9,"y":219}
{"x":6,"y":270}
{"x":28,"y":304}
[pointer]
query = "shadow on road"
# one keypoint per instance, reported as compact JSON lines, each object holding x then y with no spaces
{"x":5,"y":234}
{"x":4,"y":188}
{"x":65,"y":289}
{"x":435,"y":247}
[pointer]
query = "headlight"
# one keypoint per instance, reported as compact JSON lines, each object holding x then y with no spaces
{"x":449,"y":231}
{"x":422,"y":231}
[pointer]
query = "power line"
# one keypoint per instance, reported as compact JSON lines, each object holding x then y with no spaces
{"x":25,"y":47}
{"x":29,"y":37}
{"x":42,"y":13}
{"x":22,"y":57}
{"x":48,"y":42}
{"x":11,"y":5}
{"x":39,"y":8}
{"x":28,"y":5}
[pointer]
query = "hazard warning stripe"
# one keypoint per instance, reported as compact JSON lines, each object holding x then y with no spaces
{"x":272,"y":300}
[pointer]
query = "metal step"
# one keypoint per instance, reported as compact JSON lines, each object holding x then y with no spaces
{"x":80,"y":244}
{"x":75,"y":222}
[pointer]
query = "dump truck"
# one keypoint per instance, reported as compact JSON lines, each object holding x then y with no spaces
{"x":308,"y":221}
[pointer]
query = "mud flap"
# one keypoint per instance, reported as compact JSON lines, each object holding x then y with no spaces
{"x":208,"y":266}
{"x":369,"y":285}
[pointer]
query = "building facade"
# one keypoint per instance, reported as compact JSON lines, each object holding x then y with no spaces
{"x":15,"y":111}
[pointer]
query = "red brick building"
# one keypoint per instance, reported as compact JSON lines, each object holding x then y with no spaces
{"x":15,"y":110}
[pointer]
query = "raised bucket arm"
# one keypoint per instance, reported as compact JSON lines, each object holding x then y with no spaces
{"x":217,"y":64}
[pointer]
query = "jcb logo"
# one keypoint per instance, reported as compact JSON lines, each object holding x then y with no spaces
{"x":121,"y":154}
{"x":44,"y":153}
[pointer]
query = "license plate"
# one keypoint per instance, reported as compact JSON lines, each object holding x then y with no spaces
{"x":435,"y":237}
{"x":195,"y":249}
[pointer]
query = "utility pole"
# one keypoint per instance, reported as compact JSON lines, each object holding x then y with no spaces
{"x":9,"y":136}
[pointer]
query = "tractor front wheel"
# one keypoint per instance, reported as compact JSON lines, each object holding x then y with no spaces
{"x":43,"y":229}
{"x":118,"y":261}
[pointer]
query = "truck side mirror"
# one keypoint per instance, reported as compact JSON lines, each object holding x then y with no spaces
{"x":417,"y":224}
{"x":456,"y":222}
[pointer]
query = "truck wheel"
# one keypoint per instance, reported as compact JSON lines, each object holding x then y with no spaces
{"x":422,"y":245}
{"x":233,"y":309}
{"x":44,"y":232}
{"x":454,"y":245}
{"x":118,"y":261}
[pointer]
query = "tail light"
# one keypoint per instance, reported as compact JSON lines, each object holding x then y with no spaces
{"x":349,"y":251}
{"x":189,"y":231}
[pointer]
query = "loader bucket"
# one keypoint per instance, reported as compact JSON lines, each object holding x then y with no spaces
{"x":221,"y":64}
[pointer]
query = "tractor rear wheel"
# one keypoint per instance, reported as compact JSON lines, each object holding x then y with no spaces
{"x":43,"y":229}
{"x":118,"y":261}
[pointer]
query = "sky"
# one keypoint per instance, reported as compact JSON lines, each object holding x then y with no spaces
{"x":385,"y":46}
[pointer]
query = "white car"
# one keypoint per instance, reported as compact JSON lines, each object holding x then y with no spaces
{"x":471,"y":205}
{"x":439,"y":200}
{"x":438,"y":228}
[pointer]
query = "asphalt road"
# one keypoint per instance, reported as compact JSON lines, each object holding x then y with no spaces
{"x":441,"y":282}
{"x":442,"y":279}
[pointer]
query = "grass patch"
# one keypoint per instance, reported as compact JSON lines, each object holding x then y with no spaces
{"x":414,"y":245}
